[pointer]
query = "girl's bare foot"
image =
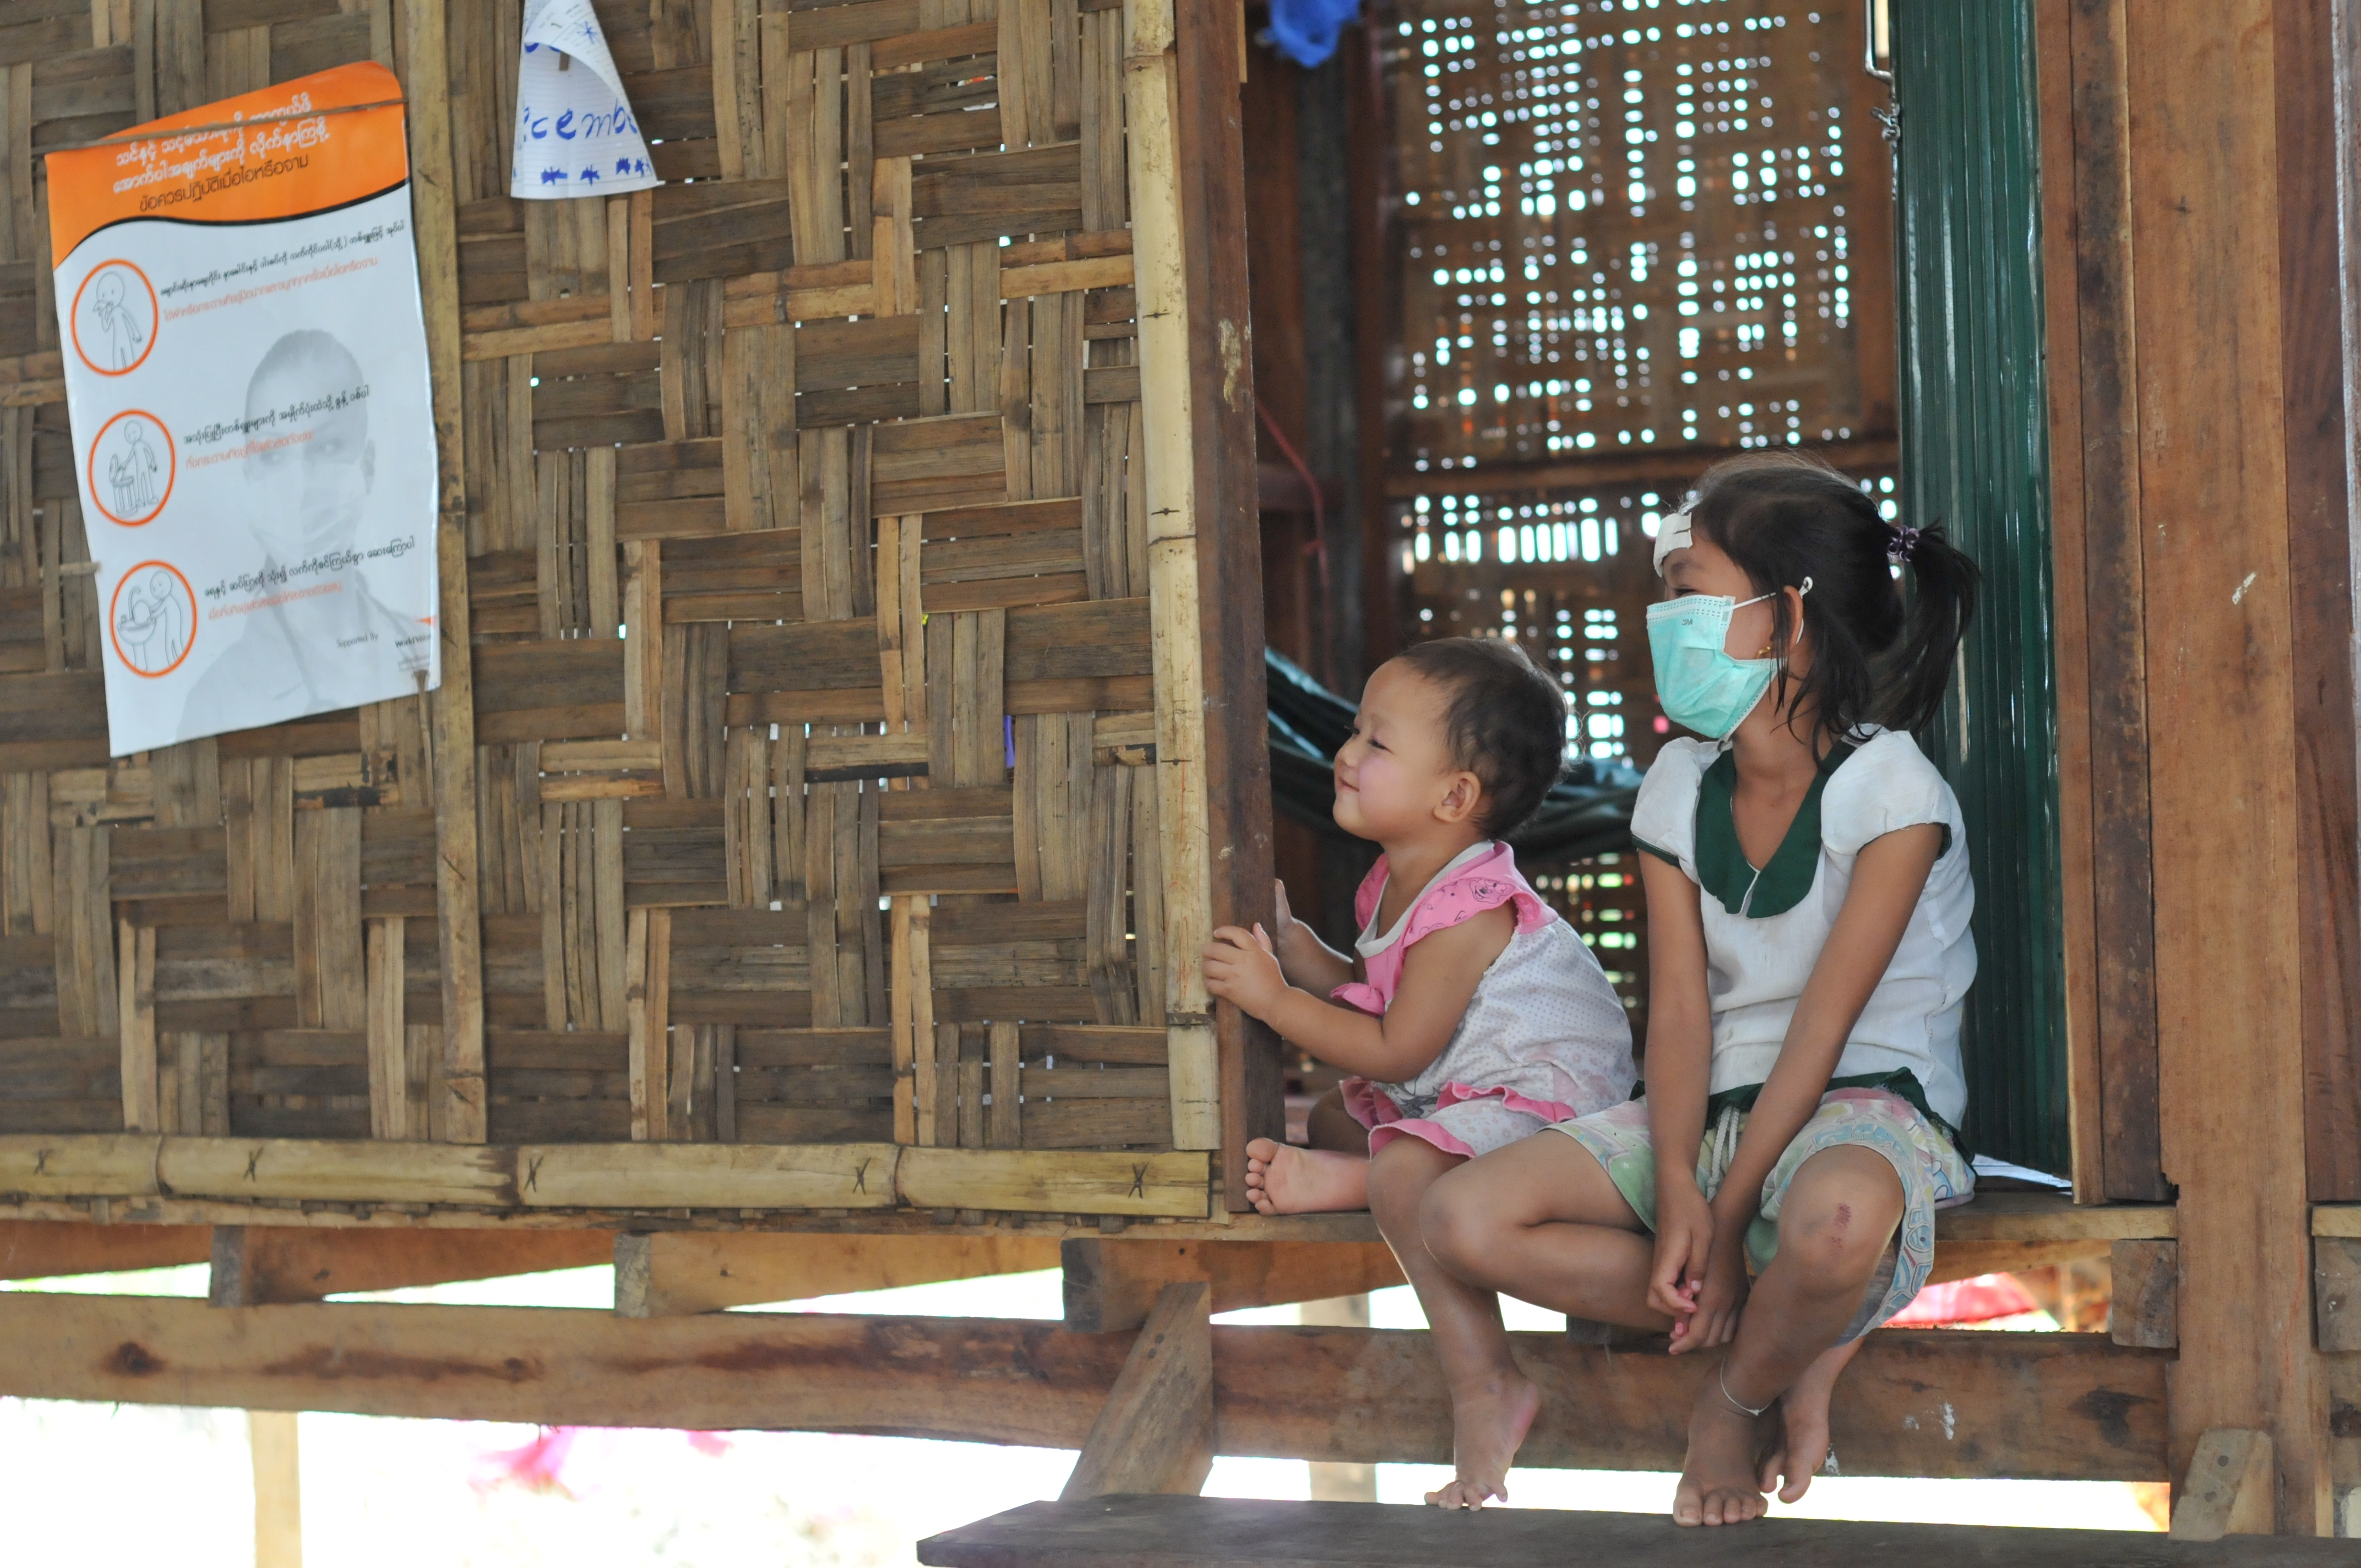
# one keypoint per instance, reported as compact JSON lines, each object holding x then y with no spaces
{"x":1804,"y":1421}
{"x":1284,"y":1179}
{"x":1717,"y":1476}
{"x":1488,"y":1421}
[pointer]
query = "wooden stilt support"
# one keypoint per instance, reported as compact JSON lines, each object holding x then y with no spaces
{"x":1112,"y":1285}
{"x":277,"y":1489}
{"x":1155,"y":1431}
{"x":1334,"y":1482}
{"x":254,"y":1266}
{"x":2228,"y":1488}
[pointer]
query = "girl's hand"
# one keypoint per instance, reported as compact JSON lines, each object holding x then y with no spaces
{"x":1240,"y":967}
{"x":1684,"y":1231}
{"x":1722,"y":1298}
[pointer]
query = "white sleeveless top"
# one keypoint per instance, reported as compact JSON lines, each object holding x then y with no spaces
{"x":1764,"y":928}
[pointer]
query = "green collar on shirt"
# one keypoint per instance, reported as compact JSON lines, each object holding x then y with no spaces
{"x":1723,"y":867}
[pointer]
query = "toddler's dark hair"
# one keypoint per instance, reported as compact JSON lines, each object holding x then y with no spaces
{"x":1785,"y":516}
{"x":1505,"y":722}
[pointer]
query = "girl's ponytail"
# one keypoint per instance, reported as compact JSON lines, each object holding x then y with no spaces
{"x":1943,"y":584}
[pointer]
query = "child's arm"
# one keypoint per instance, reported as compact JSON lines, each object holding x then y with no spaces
{"x":1887,"y":879}
{"x":1438,"y":980}
{"x":1304,"y":959}
{"x":1679,"y":1068}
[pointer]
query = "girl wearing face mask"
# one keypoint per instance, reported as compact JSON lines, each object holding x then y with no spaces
{"x":1808,"y":895}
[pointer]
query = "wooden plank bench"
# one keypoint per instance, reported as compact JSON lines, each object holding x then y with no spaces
{"x":1223,"y":1532}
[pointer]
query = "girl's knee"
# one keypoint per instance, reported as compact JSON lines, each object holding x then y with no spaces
{"x":1453,"y":1217}
{"x":1837,"y":1227}
{"x":1402,"y":1172}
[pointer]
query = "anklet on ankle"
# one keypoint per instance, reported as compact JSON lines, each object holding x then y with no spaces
{"x":1721,"y":1378}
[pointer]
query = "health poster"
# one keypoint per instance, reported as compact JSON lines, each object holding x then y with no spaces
{"x":253,"y":432}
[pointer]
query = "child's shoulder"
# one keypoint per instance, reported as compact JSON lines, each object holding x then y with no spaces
{"x":1679,"y":765}
{"x":1886,"y":783}
{"x":1663,"y":817}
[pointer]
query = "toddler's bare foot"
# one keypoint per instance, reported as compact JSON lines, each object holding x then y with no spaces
{"x":1284,"y":1179}
{"x":1804,"y":1421}
{"x":1717,"y":1476}
{"x":1488,"y":1421}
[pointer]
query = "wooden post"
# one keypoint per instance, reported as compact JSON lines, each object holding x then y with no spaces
{"x":2210,"y":314}
{"x":1155,"y":1431}
{"x":1332,"y":1481}
{"x":277,"y":1489}
{"x":459,"y":1116}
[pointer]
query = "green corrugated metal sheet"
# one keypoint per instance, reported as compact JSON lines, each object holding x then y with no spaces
{"x":1975,"y":457}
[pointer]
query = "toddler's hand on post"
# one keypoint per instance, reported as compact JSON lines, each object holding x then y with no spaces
{"x":1240,"y":967}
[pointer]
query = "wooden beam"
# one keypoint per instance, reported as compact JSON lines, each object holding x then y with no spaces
{"x":71,"y":1180}
{"x":2069,"y":1407}
{"x":1242,"y":1532}
{"x":671,"y":1273}
{"x":1965,"y":1260}
{"x":2228,"y":1488}
{"x":2146,"y":1310}
{"x":736,"y":1177}
{"x":34,"y":1249}
{"x":1675,"y":464}
{"x":1112,"y":1285}
{"x":257,"y":1266}
{"x":2209,"y":310}
{"x":1155,"y":1431}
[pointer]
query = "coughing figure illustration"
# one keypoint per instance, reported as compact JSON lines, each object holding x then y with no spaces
{"x":318,"y":639}
{"x":117,"y":338}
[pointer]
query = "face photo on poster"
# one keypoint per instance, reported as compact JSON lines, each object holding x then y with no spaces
{"x":252,"y":415}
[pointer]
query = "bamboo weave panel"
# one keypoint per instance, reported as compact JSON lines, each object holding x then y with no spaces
{"x":806,"y":559}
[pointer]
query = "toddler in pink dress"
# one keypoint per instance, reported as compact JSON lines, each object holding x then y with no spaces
{"x":1544,"y":1030}
{"x":1469,"y":1015}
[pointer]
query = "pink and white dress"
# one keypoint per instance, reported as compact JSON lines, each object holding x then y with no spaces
{"x":1545,"y":1037}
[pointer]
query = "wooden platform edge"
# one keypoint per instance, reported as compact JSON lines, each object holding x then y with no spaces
{"x":1137,"y":1184}
{"x":1145,"y":1531}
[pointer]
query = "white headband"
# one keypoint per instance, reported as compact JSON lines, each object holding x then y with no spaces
{"x":1672,"y":533}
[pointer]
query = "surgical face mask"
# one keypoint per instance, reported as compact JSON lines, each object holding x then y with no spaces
{"x":1700,"y":684}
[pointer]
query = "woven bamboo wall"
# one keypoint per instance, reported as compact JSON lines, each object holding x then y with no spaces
{"x":815,"y":792}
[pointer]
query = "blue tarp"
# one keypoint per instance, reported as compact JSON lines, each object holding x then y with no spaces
{"x":1305,"y":30}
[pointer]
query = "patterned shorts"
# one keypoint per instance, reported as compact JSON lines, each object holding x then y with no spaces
{"x":1933,"y":1174}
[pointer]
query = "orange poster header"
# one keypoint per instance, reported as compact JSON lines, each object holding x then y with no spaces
{"x":278,"y":153}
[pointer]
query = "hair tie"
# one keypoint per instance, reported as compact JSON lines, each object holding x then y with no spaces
{"x":1904,"y":543}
